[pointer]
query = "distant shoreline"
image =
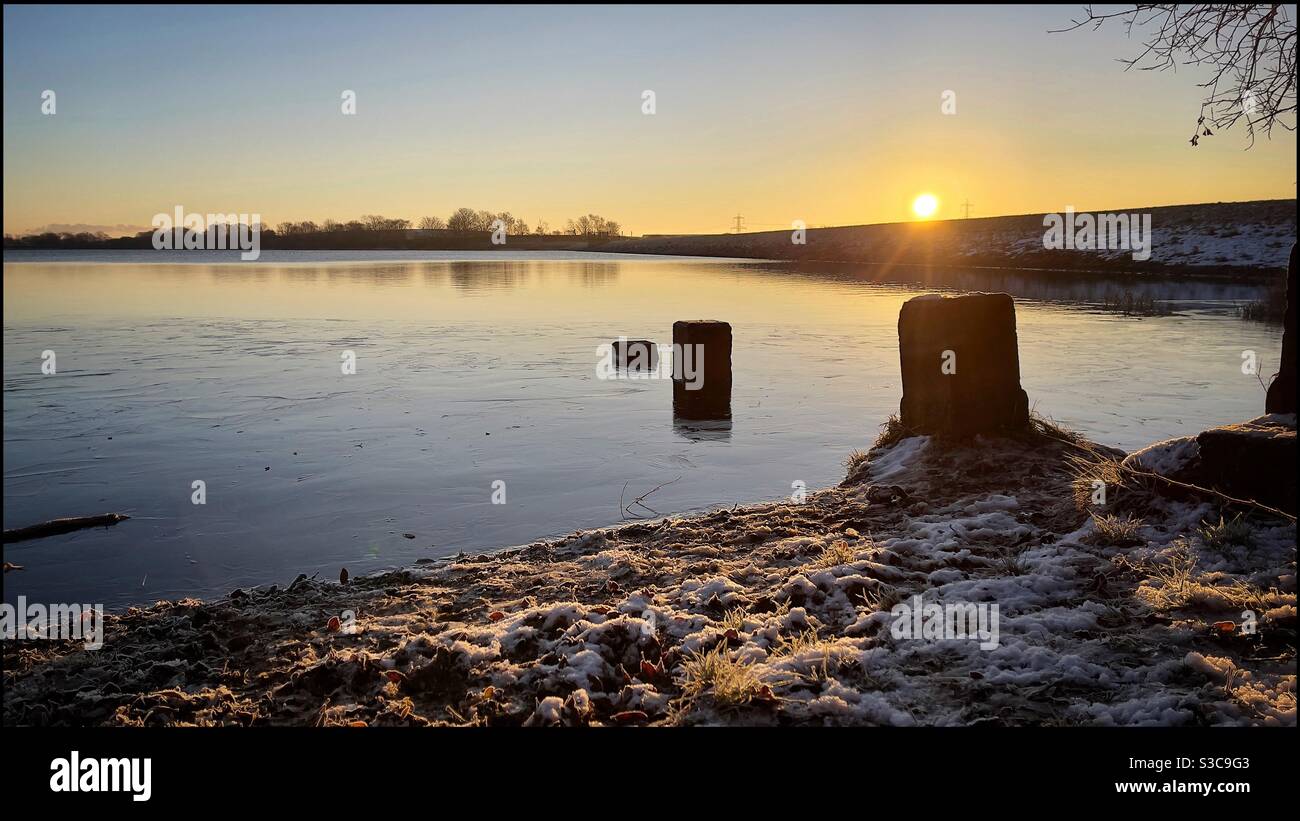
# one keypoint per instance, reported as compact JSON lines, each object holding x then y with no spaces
{"x":1090,"y":268}
{"x":1249,"y":240}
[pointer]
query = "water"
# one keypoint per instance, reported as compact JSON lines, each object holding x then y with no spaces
{"x":474,"y":368}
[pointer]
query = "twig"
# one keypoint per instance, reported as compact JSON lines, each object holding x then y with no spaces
{"x":640,"y":499}
{"x":1175,"y":483}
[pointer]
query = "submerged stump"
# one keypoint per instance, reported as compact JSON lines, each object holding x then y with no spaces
{"x":701,"y":369}
{"x":961,"y":366}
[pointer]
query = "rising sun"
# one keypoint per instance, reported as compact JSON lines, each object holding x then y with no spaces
{"x":925,"y":205}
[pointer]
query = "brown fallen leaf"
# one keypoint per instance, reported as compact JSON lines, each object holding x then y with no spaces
{"x":334,"y":624}
{"x":1225,"y":626}
{"x":628,"y":716}
{"x":496,"y":615}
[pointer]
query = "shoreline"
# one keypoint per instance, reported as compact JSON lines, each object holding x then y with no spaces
{"x":1237,"y":274}
{"x":773,"y":613}
{"x":1237,"y":240}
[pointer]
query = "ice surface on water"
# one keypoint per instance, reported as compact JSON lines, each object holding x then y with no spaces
{"x":476,"y":370}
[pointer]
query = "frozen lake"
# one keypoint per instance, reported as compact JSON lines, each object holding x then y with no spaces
{"x":478,"y":368}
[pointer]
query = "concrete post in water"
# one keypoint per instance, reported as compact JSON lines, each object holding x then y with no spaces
{"x":635,"y":355}
{"x":1281,"y":391}
{"x":701,"y":369}
{"x":961,"y":366}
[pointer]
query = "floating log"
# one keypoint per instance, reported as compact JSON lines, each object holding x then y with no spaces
{"x":57,"y":527}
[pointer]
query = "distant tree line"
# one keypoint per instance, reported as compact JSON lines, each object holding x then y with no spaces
{"x":462,"y":220}
{"x":367,"y":231}
{"x":51,"y":239}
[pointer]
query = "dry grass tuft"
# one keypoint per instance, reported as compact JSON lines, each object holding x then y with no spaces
{"x":855,"y":460}
{"x":883,"y":597}
{"x":728,"y":683}
{"x":734,"y":619}
{"x":798,"y":643}
{"x":833,"y":555}
{"x":892,"y":431}
{"x":1224,"y":534}
{"x":1117,"y":531}
{"x":1010,"y":563}
{"x":1174,"y":583}
{"x":1174,"y":579}
{"x":1050,"y":428}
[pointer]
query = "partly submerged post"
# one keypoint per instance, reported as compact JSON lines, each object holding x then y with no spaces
{"x":636,"y":356}
{"x":701,"y":369}
{"x":961,"y":366}
{"x":1281,"y":392}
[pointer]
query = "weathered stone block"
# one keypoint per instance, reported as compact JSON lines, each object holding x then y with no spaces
{"x":1252,"y":460}
{"x":702,"y":369}
{"x":635,"y":355}
{"x":961,"y":366}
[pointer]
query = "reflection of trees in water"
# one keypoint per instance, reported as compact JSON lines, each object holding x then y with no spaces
{"x":593,"y":274}
{"x":1046,"y":286}
{"x":232,"y":273}
{"x":396,"y":274}
{"x":369,"y":274}
{"x":504,"y":274}
{"x":467,"y":274}
{"x":306,"y":273}
{"x":1063,"y":287}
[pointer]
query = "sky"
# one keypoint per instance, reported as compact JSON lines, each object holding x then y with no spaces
{"x":829,"y":115}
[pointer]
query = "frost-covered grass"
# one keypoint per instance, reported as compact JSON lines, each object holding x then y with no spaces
{"x":1226,"y":533}
{"x":892,"y":431}
{"x":727,"y":682}
{"x":834,"y":554}
{"x":769,"y":614}
{"x":854,"y":461}
{"x":1117,"y":530}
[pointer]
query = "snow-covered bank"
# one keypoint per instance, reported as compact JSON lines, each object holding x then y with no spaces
{"x":780,"y":613}
{"x":1248,"y":239}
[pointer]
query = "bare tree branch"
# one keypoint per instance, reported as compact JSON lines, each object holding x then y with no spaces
{"x":1249,"y":48}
